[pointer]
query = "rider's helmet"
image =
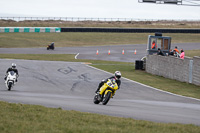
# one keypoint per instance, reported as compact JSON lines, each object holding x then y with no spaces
{"x":118,"y":75}
{"x":52,"y":44}
{"x":14,"y":65}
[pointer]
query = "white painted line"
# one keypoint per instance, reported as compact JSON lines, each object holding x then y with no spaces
{"x":147,"y":85}
{"x":76,"y":56}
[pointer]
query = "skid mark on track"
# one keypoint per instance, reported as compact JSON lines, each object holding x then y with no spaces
{"x":82,"y":78}
{"x":43,"y":78}
{"x":66,"y":71}
{"x":24,"y":67}
{"x":38,"y":75}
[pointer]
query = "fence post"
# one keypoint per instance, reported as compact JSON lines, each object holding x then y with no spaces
{"x":190,"y":71}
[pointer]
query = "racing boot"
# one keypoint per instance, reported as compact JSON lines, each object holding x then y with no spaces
{"x":100,"y":97}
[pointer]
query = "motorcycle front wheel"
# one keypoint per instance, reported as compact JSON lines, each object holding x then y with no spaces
{"x":9,"y":86}
{"x":96,"y":101}
{"x":106,"y":98}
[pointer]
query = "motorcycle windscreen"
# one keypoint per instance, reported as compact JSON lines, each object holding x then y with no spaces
{"x":12,"y":73}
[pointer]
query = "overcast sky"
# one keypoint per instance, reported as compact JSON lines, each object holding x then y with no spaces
{"x":97,"y":9}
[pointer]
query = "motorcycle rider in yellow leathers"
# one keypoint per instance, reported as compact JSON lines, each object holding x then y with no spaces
{"x":117,"y":76}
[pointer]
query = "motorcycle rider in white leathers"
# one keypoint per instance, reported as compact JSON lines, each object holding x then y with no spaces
{"x":13,"y":68}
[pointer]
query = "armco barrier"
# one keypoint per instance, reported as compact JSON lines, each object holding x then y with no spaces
{"x":129,"y":30}
{"x":30,"y":29}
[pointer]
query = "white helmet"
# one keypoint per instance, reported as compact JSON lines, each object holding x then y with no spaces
{"x":118,"y":75}
{"x":14,"y":65}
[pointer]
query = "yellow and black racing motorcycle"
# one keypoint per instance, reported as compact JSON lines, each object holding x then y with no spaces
{"x":106,"y":92}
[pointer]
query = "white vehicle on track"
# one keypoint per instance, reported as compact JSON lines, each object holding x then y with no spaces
{"x":11,"y":80}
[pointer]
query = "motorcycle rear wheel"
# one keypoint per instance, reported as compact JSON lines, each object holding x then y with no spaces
{"x":106,"y":98}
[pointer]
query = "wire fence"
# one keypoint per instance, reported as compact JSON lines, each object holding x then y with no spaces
{"x":75,"y":19}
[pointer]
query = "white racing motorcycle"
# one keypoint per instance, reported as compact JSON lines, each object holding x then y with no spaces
{"x":10,"y":80}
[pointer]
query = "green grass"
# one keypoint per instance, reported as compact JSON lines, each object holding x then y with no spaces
{"x":19,"y":40}
{"x":68,"y":39}
{"x":192,"y":53}
{"x":55,"y":57}
{"x":20,"y":118}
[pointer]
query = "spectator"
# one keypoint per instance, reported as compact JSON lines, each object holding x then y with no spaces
{"x":176,"y":54}
{"x":160,"y":52}
{"x":153,"y":46}
{"x":182,"y":54}
{"x":176,"y":49}
{"x":171,"y":52}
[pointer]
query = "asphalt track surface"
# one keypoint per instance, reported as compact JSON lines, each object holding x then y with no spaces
{"x":71,"y":86}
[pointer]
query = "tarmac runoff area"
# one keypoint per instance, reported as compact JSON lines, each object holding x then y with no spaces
{"x":71,"y":86}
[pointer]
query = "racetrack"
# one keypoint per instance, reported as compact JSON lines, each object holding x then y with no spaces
{"x":71,"y":86}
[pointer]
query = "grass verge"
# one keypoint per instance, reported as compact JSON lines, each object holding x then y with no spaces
{"x":22,"y":118}
{"x":69,"y":39}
